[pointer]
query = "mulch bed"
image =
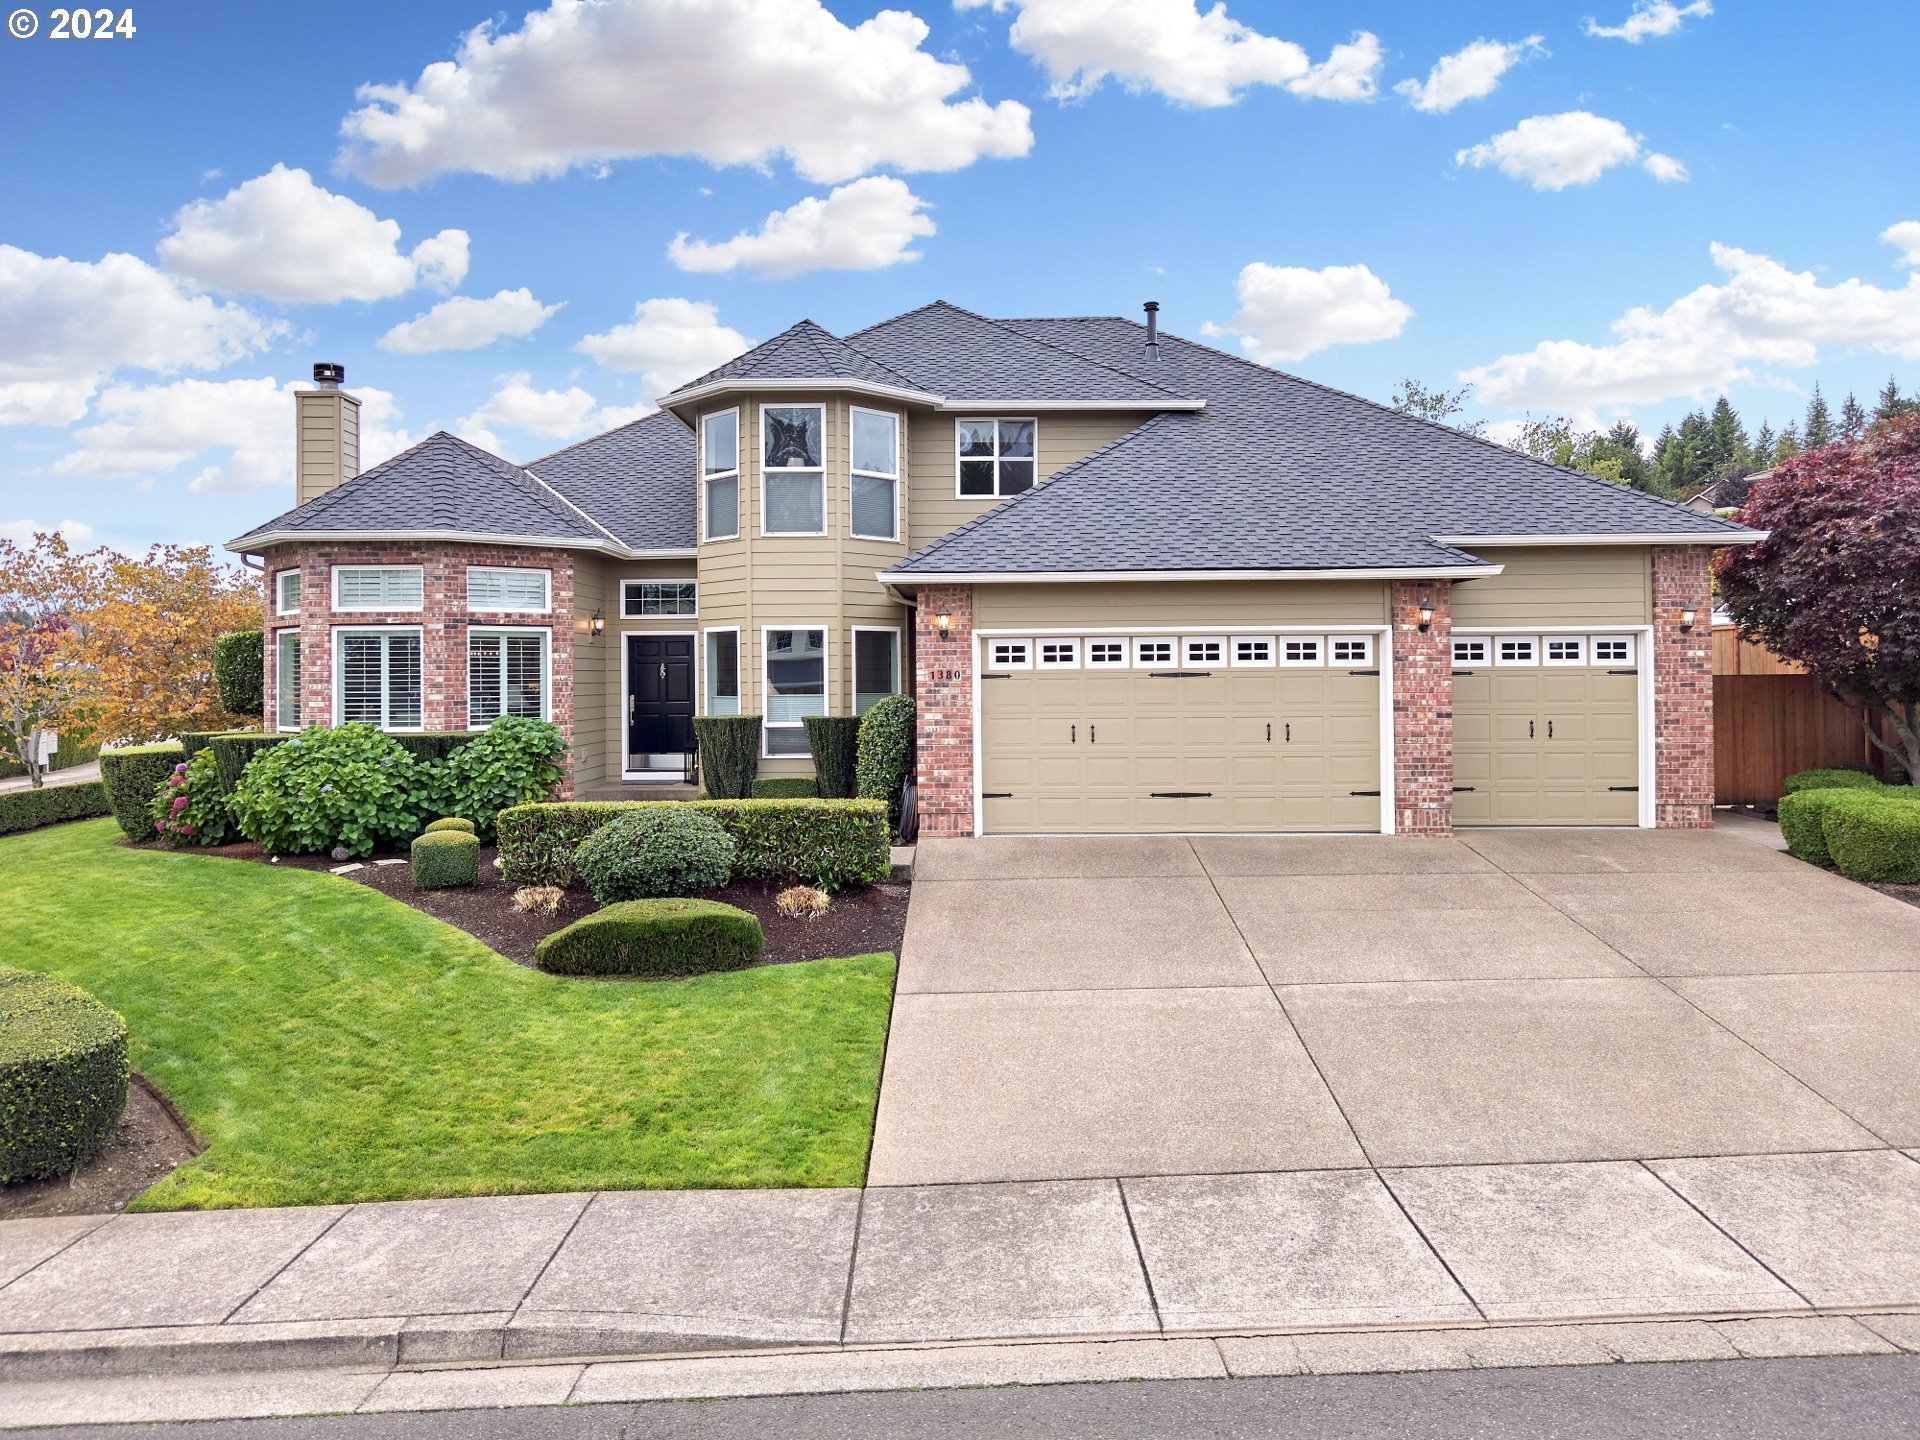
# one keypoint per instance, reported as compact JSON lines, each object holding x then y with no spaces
{"x":149,"y":1142}
{"x":859,"y":922}
{"x":1908,"y":893}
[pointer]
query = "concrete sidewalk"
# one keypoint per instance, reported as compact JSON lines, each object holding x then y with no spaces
{"x":72,"y":775}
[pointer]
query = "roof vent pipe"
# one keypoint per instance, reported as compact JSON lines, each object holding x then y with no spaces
{"x":1153,"y":329}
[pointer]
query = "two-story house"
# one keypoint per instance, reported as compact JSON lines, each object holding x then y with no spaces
{"x":1133,"y":583}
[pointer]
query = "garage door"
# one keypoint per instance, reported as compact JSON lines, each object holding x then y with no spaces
{"x":1158,"y":733}
{"x":1545,"y":730}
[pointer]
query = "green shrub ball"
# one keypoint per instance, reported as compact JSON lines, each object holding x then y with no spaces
{"x":662,"y":938}
{"x":656,"y":851}
{"x":63,"y":1076}
{"x":451,"y":822}
{"x":443,"y":859}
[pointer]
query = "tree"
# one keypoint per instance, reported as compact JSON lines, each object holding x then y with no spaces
{"x":1608,"y":456}
{"x":1763,"y":444}
{"x":1789,"y":444}
{"x":1853,"y":419}
{"x":1819,"y":425}
{"x":1832,"y":585}
{"x":1891,"y":403}
{"x":1439,"y":406}
{"x":1727,"y":448}
{"x":1623,"y":441}
{"x":41,"y":693}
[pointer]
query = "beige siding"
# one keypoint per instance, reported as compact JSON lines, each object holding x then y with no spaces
{"x":1558,"y":585}
{"x":594,"y":754}
{"x":933,"y":473}
{"x":1209,"y":602}
{"x":327,"y":429}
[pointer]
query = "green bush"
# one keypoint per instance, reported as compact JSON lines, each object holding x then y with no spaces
{"x":652,"y":851}
{"x":239,"y":672}
{"x":834,"y":741}
{"x":349,"y":787}
{"x":132,"y":774}
{"x":189,"y":808}
{"x":1877,"y":839}
{"x":514,"y":761}
{"x":63,"y":1075}
{"x":664,"y":937}
{"x":1828,"y":780}
{"x":729,"y":754}
{"x":194,"y":741}
{"x":829,"y":843}
{"x":886,"y":753}
{"x":233,"y":751}
{"x":451,"y":822}
{"x":1803,"y":818}
{"x":445,"y":858}
{"x":431,"y":745}
{"x":49,"y":805}
{"x":786,"y":787}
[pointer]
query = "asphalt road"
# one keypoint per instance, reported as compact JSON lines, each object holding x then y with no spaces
{"x":1751,"y":1399}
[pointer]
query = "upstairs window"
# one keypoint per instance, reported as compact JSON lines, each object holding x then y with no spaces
{"x":379,"y":587}
{"x":793,"y":477}
{"x":720,"y":473}
{"x":286,"y":592}
{"x":996,"y":457}
{"x":498,"y":588}
{"x":646,"y":599}
{"x":875,"y":508}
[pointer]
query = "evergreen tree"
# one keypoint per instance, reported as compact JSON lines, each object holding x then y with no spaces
{"x":1727,"y":446}
{"x":1891,"y":403}
{"x":1623,"y":441}
{"x":1818,"y":429}
{"x":1788,"y":445}
{"x":1763,"y":443}
{"x":1853,"y":419}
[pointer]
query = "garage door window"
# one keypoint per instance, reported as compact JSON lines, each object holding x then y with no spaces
{"x":1206,"y":650}
{"x":1517,"y":650}
{"x":1613,"y":650}
{"x":1566,"y":650}
{"x":1152,"y":652}
{"x":1106,"y":654}
{"x":1010,"y":654}
{"x":1300,"y":650}
{"x":1470,"y":650}
{"x":1059,"y":654}
{"x":1252,"y":650}
{"x":1352,"y":649}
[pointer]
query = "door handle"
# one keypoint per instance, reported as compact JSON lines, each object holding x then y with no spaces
{"x":1549,"y":729}
{"x":1529,"y":729}
{"x":1269,"y":732}
{"x":663,"y":669}
{"x":629,"y":707}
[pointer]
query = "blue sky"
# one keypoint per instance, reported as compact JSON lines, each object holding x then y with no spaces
{"x":1714,"y":196}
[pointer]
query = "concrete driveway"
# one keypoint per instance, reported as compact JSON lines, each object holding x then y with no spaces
{"x":1121,"y":1007}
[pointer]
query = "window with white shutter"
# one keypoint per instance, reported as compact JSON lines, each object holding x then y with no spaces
{"x":500,"y":588}
{"x":506,"y":675}
{"x":286,"y":679}
{"x":379,"y":587}
{"x":286,"y":592}
{"x":379,"y":677}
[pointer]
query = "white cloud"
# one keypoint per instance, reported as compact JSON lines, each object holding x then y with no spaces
{"x":69,"y":324}
{"x":1172,"y":47}
{"x":1762,"y":314}
{"x":241,"y":429}
{"x":667,"y":343}
{"x":467,"y":323}
{"x":1576,"y":147}
{"x":21,"y":532}
{"x":863,"y":226}
{"x":1650,"y":17}
{"x":554,"y":414}
{"x":1468,"y":74}
{"x":282,"y":236}
{"x":732,"y":82}
{"x":1906,"y":234}
{"x":1287,"y":313}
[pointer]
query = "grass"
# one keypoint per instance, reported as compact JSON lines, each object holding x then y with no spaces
{"x":330,"y":1044}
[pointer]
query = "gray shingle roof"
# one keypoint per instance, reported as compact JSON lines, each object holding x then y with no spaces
{"x":803,"y":352}
{"x":638,"y":481}
{"x":442,"y":485}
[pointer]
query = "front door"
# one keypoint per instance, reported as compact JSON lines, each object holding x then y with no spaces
{"x":659,"y":697}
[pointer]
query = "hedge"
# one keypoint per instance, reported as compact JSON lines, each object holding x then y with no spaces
{"x":68,"y":755}
{"x":445,"y":858}
{"x":1878,"y":840}
{"x":886,"y":753}
{"x":63,"y":1075}
{"x":451,"y":822}
{"x":131,"y":775}
{"x":833,"y":741}
{"x":829,"y":843}
{"x":233,"y":750}
{"x":240,"y":672}
{"x":31,"y":809}
{"x":729,"y":754}
{"x":668,"y":937}
{"x":1828,"y":780}
{"x":1803,"y":819}
{"x":786,"y":787}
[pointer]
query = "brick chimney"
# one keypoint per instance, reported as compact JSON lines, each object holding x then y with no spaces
{"x":326,"y":425}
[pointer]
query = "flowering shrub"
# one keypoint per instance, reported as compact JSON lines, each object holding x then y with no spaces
{"x":189,"y":808}
{"x":515,"y":763}
{"x":350,"y":788}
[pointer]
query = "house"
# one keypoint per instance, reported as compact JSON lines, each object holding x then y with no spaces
{"x":1134,"y":584}
{"x":1727,"y":493}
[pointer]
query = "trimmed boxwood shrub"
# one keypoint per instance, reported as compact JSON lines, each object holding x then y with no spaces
{"x":834,"y":741}
{"x":1803,"y":819}
{"x":655,"y":850}
{"x":663,"y":937}
{"x":63,"y":1075}
{"x":132,"y":773}
{"x":445,"y":858}
{"x":885,"y":756}
{"x":350,"y":787}
{"x":233,"y":750}
{"x":786,"y":787}
{"x":1877,"y":839}
{"x":49,"y":805}
{"x":1828,"y":780}
{"x":451,"y":822}
{"x":240,"y":671}
{"x":829,"y":843}
{"x":729,"y":754}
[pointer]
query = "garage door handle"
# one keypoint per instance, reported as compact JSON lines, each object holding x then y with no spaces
{"x":1289,"y":732}
{"x":1269,"y":732}
{"x":1529,"y":729}
{"x":1549,"y":729}
{"x":1093,"y":734}
{"x":1073,"y":734}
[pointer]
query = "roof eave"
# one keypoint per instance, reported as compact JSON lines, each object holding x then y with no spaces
{"x":1645,"y":537}
{"x":801,"y":384}
{"x":1070,"y":577}
{"x":260,"y":540}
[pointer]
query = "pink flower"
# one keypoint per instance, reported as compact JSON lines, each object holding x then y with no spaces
{"x":160,"y":825}
{"x":179,"y":804}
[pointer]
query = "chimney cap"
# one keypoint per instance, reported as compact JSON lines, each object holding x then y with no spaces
{"x":330,"y":374}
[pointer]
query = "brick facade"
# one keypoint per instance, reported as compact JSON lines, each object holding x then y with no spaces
{"x":943,"y":692}
{"x":1422,"y":708}
{"x":443,"y":623}
{"x":1682,"y":688}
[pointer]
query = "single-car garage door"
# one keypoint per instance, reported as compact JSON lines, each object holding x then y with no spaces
{"x":1545,"y":730}
{"x":1202,"y":732}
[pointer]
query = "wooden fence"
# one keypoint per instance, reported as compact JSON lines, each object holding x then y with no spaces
{"x":1770,"y":718}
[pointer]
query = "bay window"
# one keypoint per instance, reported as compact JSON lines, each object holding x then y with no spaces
{"x":793,"y":476}
{"x":286,"y":679}
{"x":874,"y":512}
{"x":720,"y":474}
{"x":378,"y":678}
{"x":506,"y":675}
{"x":723,"y":672}
{"x":286,"y":592}
{"x":796,"y":686}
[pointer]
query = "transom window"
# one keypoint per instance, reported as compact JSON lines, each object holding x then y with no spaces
{"x":720,"y":473}
{"x":793,"y":478}
{"x":1516,"y":650}
{"x":1059,"y":654}
{"x":1613,"y":649}
{"x":1206,"y":650}
{"x":1152,"y":652}
{"x":378,"y":678}
{"x":1253,"y":650}
{"x":796,"y":687}
{"x":1566,"y":650}
{"x":1010,"y":654}
{"x":1470,"y":650}
{"x":506,"y":675}
{"x":1300,"y":650}
{"x":286,"y":679}
{"x":723,"y":672}
{"x":498,"y":588}
{"x":997,"y":457}
{"x":876,"y":667}
{"x":643,"y":599}
{"x":874,"y":508}
{"x":286,"y":592}
{"x":1106,"y":654}
{"x":379,"y":587}
{"x":1351,"y":649}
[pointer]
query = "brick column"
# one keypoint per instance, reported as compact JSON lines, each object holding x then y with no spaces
{"x":1422,"y":708}
{"x":943,"y":708}
{"x":1682,"y":689}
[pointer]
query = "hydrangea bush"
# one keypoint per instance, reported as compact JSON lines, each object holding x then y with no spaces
{"x":349,"y":788}
{"x":190,"y":808}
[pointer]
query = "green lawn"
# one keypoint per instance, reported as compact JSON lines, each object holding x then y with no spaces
{"x":330,"y":1044}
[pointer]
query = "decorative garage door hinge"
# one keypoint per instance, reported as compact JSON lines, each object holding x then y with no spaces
{"x":1625,"y":789}
{"x":996,"y":677}
{"x":1623,"y":672}
{"x":1178,"y":674}
{"x":1363,"y":792}
{"x":1463,"y":789}
{"x":1182,"y":794}
{"x":1363,"y":672}
{"x":996,"y":794}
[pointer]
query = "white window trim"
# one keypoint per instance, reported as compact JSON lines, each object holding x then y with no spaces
{"x":997,"y":494}
{"x":1502,"y":661}
{"x":545,"y":607}
{"x":1484,"y":641}
{"x":819,"y":472}
{"x":1546,"y":652}
{"x":1187,"y":642}
{"x":1319,"y":661}
{"x":340,"y":632}
{"x":546,"y":666}
{"x":340,"y":609}
{"x":280,"y":577}
{"x":997,"y":664}
{"x":766,"y":687}
{"x":1233,"y":652}
{"x":693,"y":614}
{"x":899,"y":431}
{"x":1173,"y":651}
{"x":853,"y":659}
{"x":1366,"y":659}
{"x":1040,"y":660}
{"x":1593,"y":642}
{"x":299,"y":708}
{"x":1126,"y":653}
{"x":705,"y":479}
{"x":703,"y":670}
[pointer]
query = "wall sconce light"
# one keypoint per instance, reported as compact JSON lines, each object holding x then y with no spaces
{"x":944,"y":624}
{"x":1426,"y":618}
{"x":598,"y":624}
{"x":1686,"y":620}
